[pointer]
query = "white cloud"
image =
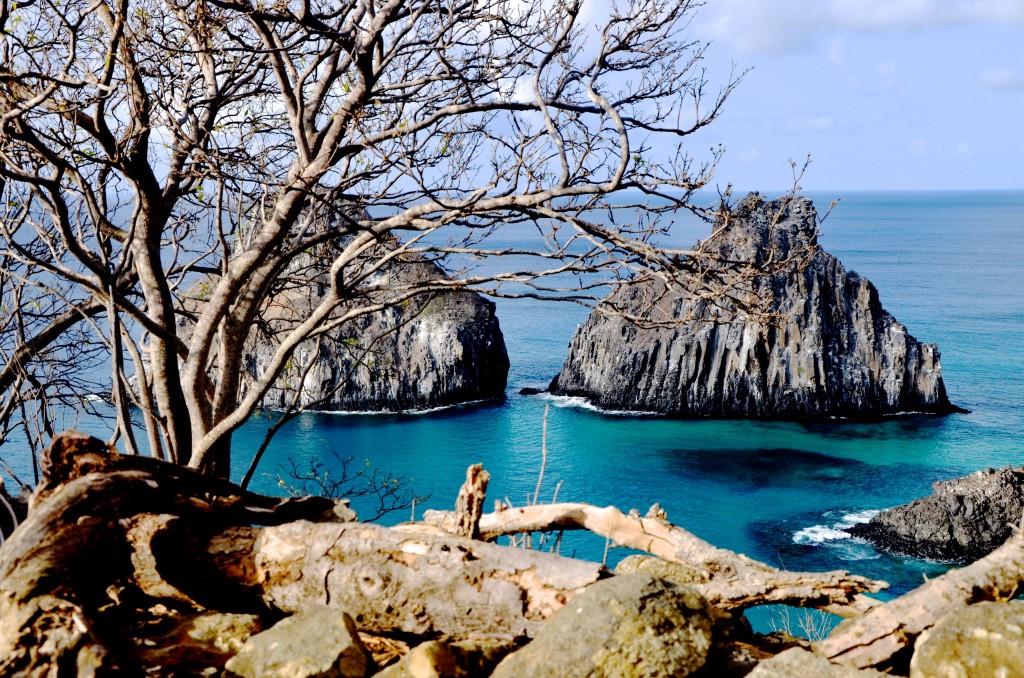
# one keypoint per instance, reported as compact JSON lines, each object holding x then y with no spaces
{"x":780,"y":26}
{"x":1005,"y":79}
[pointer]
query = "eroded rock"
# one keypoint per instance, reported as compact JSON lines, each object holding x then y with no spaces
{"x":822,"y":346}
{"x":317,"y":642}
{"x":800,"y":663}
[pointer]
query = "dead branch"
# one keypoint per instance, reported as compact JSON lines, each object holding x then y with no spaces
{"x":469,"y":505}
{"x":733,"y":581}
{"x":875,"y":638}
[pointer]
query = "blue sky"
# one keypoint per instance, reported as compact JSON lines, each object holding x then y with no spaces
{"x":884,"y":94}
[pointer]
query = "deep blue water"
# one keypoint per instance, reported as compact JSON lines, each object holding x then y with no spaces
{"x":950,"y":266}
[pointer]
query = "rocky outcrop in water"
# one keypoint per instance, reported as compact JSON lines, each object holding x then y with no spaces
{"x":821,"y":345}
{"x":960,"y":521}
{"x":434,"y":349}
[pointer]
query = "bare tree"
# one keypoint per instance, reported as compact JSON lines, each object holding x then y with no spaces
{"x":147,"y":144}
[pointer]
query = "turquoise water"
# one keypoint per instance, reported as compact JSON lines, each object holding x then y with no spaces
{"x":948,"y":265}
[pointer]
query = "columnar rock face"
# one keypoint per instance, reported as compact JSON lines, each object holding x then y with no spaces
{"x":960,"y":521}
{"x":433,"y":350}
{"x":821,"y":345}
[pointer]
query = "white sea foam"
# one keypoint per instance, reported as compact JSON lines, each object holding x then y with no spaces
{"x":363,"y":413}
{"x":579,"y":402}
{"x":820,"y":534}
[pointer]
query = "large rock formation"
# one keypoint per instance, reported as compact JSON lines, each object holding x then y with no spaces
{"x":820,"y":345}
{"x":433,"y":350}
{"x":960,"y":521}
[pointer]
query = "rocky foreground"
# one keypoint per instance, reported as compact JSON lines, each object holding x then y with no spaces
{"x":797,"y":336}
{"x":132,"y":566}
{"x":960,"y":521}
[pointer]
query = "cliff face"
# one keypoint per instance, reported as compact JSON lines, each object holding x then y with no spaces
{"x":432,"y":350}
{"x":825,"y":348}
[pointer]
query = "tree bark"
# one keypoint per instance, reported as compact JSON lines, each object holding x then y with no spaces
{"x":469,"y":505}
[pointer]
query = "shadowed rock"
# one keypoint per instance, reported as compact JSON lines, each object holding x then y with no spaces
{"x":960,"y":521}
{"x":821,"y":345}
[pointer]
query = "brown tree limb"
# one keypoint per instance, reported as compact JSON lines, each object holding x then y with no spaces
{"x":733,"y":581}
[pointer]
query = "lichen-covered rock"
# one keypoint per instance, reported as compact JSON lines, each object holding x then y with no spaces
{"x":821,"y":346}
{"x":799,"y":663}
{"x":986,"y":639}
{"x":317,"y":642}
{"x":962,"y":520}
{"x":676,"y":573}
{"x":624,"y":626}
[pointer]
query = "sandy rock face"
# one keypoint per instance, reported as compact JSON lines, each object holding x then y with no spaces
{"x":822,"y":347}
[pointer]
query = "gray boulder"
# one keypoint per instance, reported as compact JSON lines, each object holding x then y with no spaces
{"x":624,"y":626}
{"x":960,"y":521}
{"x":318,"y":642}
{"x":799,"y":663}
{"x":986,"y":639}
{"x":821,"y":345}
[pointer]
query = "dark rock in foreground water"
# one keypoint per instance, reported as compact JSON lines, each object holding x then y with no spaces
{"x":962,"y":520}
{"x":825,"y":347}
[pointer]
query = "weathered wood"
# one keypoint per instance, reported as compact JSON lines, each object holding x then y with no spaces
{"x":733,"y":581}
{"x":469,"y":505}
{"x":878,"y":636}
{"x":174,"y":489}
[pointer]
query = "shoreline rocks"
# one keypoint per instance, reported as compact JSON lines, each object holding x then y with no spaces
{"x":962,"y":520}
{"x":823,"y":348}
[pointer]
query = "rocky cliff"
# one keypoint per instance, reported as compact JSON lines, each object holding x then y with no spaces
{"x":434,"y":349}
{"x":820,"y":345}
{"x":960,"y":521}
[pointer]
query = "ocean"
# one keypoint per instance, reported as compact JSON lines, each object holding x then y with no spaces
{"x":949,"y":265}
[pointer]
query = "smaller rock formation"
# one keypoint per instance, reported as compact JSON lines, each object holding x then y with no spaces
{"x":434,"y":349}
{"x":962,"y":520}
{"x":986,"y":639}
{"x":775,"y":328}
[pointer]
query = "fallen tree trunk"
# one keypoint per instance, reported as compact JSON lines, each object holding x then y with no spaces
{"x":732,"y":580}
{"x":876,"y":638}
{"x":102,"y":549}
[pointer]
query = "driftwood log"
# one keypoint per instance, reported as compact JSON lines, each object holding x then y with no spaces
{"x":886,"y":635}
{"x":732,"y":580}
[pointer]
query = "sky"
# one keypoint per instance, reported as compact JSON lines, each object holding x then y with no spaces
{"x":883,"y":94}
